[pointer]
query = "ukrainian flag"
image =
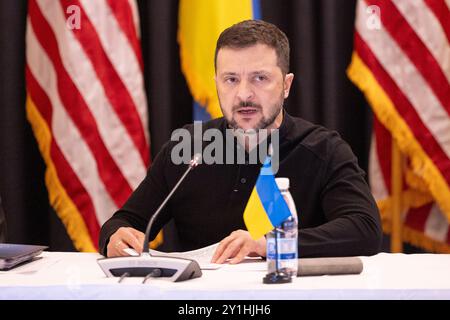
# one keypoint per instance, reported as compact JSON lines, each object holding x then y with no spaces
{"x":200,"y":22}
{"x":266,"y":208}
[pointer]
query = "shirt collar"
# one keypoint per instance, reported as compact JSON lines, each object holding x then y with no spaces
{"x":286,"y":124}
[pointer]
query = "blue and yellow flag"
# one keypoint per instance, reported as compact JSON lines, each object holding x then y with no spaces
{"x":200,"y":22}
{"x":266,"y":207}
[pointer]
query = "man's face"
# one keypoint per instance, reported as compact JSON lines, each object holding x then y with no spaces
{"x":251,"y":87}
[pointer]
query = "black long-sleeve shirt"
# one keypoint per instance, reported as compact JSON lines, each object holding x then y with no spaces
{"x":2,"y":224}
{"x":336,"y":212}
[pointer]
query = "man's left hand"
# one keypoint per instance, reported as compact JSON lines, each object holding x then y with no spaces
{"x":237,"y":246}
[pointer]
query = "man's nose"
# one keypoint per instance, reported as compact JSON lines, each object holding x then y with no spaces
{"x":245,"y":91}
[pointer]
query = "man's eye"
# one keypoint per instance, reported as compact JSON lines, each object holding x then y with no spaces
{"x":260,"y":78}
{"x":231,"y":80}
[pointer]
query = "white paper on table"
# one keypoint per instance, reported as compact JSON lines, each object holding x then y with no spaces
{"x":203,"y":256}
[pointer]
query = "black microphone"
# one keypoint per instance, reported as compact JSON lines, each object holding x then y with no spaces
{"x":192,"y":164}
{"x":173,"y":268}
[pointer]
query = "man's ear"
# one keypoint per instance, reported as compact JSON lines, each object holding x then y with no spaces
{"x":287,"y":84}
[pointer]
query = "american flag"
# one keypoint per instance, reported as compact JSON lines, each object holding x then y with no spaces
{"x":401,"y":61}
{"x":87,"y":107}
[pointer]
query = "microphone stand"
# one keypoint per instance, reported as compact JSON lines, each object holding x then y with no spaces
{"x":146,"y":265}
{"x":192,"y":164}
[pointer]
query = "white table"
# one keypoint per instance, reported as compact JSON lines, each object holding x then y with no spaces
{"x":77,"y":276}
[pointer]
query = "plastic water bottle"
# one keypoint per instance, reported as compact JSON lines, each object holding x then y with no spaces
{"x":287,"y":235}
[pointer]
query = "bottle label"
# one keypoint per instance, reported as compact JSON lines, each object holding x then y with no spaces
{"x":287,"y":249}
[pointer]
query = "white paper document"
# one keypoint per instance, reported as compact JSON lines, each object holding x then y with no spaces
{"x":203,"y":256}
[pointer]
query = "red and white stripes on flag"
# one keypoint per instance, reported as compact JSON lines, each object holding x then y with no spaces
{"x":87,"y":107}
{"x":402,"y":64}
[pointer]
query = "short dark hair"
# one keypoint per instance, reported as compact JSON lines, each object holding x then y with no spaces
{"x":250,"y":32}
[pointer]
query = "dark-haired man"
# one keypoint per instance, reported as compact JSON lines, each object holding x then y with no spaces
{"x":337,"y":213}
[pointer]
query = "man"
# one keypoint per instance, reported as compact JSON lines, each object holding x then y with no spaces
{"x":337,"y":213}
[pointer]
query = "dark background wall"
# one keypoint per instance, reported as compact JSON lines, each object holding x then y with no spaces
{"x":320,"y":33}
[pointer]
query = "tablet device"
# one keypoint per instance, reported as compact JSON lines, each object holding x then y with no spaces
{"x":12,"y":255}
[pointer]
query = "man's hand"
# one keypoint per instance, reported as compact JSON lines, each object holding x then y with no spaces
{"x":237,"y":246}
{"x":122,"y":239}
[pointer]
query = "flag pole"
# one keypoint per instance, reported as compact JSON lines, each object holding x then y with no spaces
{"x":396,"y":184}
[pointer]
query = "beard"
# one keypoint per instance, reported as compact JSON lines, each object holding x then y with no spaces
{"x":264,"y":122}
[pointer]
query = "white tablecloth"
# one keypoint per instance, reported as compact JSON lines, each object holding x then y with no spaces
{"x":77,"y":276}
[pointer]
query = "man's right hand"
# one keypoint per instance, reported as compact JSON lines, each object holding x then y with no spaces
{"x":122,"y":239}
